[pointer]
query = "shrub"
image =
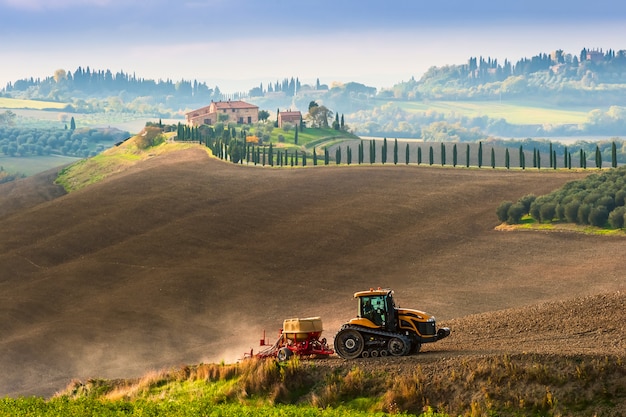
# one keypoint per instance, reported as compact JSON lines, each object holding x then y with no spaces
{"x":571,"y":211}
{"x":534,"y":210}
{"x":515,"y":213}
{"x":606,"y":201}
{"x":503,"y":210}
{"x":560,"y":212}
{"x":616,"y":217}
{"x":620,"y":198}
{"x":547,"y":212}
{"x":583,"y":213}
{"x":526,"y":201}
{"x":598,"y":216}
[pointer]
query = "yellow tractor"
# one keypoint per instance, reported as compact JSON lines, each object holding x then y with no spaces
{"x":382,"y":329}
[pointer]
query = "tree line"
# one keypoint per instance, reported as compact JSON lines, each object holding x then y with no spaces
{"x":82,"y":143}
{"x":592,"y":70}
{"x":238,"y":146}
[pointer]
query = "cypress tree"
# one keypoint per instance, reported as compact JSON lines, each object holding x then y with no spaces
{"x":507,"y":161}
{"x":395,"y":152}
{"x":581,"y":157}
{"x":565,"y":157}
{"x":303,"y":158}
{"x":314,"y":156}
{"x":349,"y":155}
{"x":72,"y":123}
{"x":538,"y":159}
{"x":407,"y":154}
{"x":296,"y":152}
{"x":443,"y":154}
{"x":569,"y":160}
{"x":419,"y":155}
{"x":295,"y":138}
{"x":480,"y":154}
{"x":467,"y":155}
{"x":342,"y":124}
{"x":361,"y":152}
{"x":264,"y":156}
{"x":373,"y":152}
{"x":326,"y":156}
{"x":383,"y":155}
{"x":598,"y":158}
{"x":493,"y":158}
{"x":270,"y":155}
{"x":554,"y":158}
{"x":534,"y":157}
{"x":521,"y":157}
{"x":454,"y":156}
{"x":430,"y":155}
{"x":613,"y":155}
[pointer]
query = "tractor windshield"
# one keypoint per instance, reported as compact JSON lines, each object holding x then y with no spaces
{"x":372,"y":307}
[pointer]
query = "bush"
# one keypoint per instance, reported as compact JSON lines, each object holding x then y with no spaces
{"x":606,"y":201}
{"x":503,"y":210}
{"x":598,"y":216}
{"x":620,"y":198}
{"x":526,"y":201}
{"x":560,"y":212}
{"x":616,"y":217}
{"x":534,"y":210}
{"x":547,"y":212}
{"x":583,"y":213}
{"x":571,"y":211}
{"x":515,"y":213}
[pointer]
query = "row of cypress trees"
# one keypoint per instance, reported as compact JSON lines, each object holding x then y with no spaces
{"x":239,"y":151}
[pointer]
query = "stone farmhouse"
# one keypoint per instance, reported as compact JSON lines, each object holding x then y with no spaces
{"x":226,"y":112}
{"x":292,"y":117}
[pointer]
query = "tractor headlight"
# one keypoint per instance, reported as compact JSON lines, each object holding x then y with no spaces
{"x":431,"y":320}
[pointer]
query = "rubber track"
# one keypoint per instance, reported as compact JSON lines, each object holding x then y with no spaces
{"x":366,"y":330}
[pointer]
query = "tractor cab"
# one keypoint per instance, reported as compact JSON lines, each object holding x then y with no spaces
{"x":376,"y":309}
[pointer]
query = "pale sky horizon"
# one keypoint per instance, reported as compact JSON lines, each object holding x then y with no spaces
{"x":237,"y":45}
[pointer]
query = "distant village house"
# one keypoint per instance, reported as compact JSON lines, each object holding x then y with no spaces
{"x":226,"y":112}
{"x":291,"y":117}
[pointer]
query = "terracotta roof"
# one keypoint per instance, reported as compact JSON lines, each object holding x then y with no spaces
{"x":234,"y":105}
{"x":219,"y":105}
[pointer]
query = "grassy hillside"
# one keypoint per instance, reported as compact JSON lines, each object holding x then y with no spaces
{"x":118,"y":159}
{"x":32,"y":165}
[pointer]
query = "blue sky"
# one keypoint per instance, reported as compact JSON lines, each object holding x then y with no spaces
{"x":238,"y":43}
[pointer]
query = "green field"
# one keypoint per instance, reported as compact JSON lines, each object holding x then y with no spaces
{"x":33,"y":165}
{"x":521,"y":113}
{"x":15,"y":103}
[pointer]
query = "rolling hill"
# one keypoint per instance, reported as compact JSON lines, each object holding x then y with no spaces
{"x":186,"y":259}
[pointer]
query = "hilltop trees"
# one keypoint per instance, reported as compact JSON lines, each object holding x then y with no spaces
{"x":318,"y":115}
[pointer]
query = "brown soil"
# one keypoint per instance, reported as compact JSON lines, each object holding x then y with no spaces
{"x":185,"y":259}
